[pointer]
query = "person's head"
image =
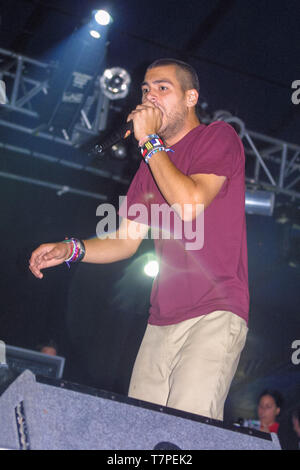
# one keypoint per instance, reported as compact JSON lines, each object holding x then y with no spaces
{"x":186,"y":74}
{"x":296,"y":421}
{"x":269,"y":406}
{"x":173,"y":87}
{"x":49,"y":348}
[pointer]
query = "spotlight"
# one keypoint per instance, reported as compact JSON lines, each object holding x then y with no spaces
{"x":95,"y":34}
{"x":115,"y":83}
{"x":119,"y":151}
{"x":151,"y":268}
{"x":102,"y":17}
{"x":259,"y":202}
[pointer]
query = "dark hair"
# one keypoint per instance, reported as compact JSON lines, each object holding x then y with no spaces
{"x":277,"y":397}
{"x":186,"y":74}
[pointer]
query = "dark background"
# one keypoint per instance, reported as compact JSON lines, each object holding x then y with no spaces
{"x":247,"y":56}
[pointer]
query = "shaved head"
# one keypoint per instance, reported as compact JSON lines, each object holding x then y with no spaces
{"x":185,"y":73}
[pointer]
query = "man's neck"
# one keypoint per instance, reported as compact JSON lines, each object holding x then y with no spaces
{"x":190,"y":125}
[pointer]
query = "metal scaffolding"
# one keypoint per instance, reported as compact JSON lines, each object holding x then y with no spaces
{"x":27,"y":78}
{"x":275,"y":164}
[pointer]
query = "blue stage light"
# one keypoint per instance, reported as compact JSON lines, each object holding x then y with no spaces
{"x":95,"y":34}
{"x":103,"y":17}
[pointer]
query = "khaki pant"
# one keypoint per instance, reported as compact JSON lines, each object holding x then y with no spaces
{"x":189,"y":366}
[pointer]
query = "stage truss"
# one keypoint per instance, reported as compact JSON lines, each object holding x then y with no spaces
{"x":274,"y":164}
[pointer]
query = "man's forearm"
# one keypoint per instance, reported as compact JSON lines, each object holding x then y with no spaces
{"x":106,"y":250}
{"x":175,"y":187}
{"x":116,"y":246}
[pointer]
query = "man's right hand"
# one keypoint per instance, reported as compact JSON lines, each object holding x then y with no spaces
{"x":48,"y":255}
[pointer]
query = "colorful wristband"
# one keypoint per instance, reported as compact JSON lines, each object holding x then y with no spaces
{"x":146,"y":138}
{"x":149,"y":155}
{"x":153,"y":143}
{"x":78,"y":250}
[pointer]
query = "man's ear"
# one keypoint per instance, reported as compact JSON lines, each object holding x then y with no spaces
{"x":192,"y":97}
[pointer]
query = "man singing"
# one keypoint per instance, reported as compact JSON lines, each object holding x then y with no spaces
{"x":198,"y":316}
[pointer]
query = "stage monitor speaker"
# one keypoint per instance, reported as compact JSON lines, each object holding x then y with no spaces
{"x":46,"y":414}
{"x":20,"y":359}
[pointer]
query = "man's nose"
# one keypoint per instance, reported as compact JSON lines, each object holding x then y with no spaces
{"x":151,"y":96}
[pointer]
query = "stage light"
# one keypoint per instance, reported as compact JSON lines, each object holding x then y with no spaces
{"x":235,"y":122}
{"x":151,"y":268}
{"x":119,"y":151}
{"x":115,"y":83}
{"x":95,"y":34}
{"x":102,"y":17}
{"x":259,"y":202}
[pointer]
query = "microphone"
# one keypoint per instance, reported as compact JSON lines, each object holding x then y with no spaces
{"x":122,"y":133}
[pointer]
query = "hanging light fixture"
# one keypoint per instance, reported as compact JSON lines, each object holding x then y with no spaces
{"x":115,"y":83}
{"x":259,"y":202}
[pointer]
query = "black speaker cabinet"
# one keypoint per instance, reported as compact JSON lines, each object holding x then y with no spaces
{"x":49,"y":414}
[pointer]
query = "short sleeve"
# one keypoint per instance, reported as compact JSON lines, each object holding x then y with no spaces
{"x":135,"y":205}
{"x":219,"y":151}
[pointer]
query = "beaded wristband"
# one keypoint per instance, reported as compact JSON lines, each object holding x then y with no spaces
{"x":78,"y":251}
{"x":146,"y":138}
{"x":151,"y":146}
{"x":73,"y":248}
{"x":152,"y":152}
{"x":154,"y":142}
{"x":161,"y":149}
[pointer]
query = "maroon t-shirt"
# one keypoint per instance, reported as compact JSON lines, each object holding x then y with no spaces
{"x":203,"y":266}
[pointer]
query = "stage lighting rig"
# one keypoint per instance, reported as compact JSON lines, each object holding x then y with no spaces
{"x":115,"y":82}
